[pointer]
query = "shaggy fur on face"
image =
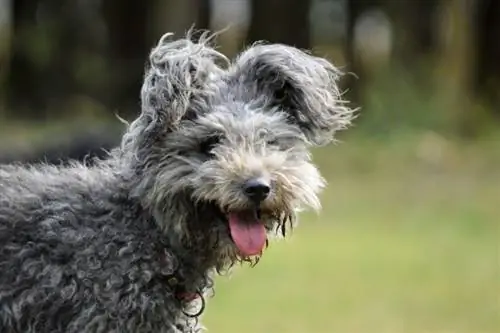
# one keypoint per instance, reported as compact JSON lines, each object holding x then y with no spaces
{"x":217,"y":162}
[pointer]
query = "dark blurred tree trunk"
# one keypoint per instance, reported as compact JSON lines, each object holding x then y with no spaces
{"x":133,"y":29}
{"x":353,"y":83}
{"x":65,"y":24}
{"x":487,"y":80}
{"x":203,"y":15}
{"x":48,"y":37}
{"x":414,"y":29}
{"x":456,"y":66}
{"x":178,"y":16}
{"x":24,"y":77}
{"x":128,"y":45}
{"x":280,"y":21}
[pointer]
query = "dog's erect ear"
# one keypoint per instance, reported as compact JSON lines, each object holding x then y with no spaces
{"x":302,"y":85}
{"x":175,"y":86}
{"x":176,"y":73}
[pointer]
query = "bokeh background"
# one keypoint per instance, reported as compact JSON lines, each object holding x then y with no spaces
{"x":408,"y":239}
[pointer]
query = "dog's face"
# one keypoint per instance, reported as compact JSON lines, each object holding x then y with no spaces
{"x":252,"y":167}
{"x":233,"y":143}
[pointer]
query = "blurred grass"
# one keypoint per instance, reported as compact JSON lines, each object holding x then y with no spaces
{"x":407,"y":242}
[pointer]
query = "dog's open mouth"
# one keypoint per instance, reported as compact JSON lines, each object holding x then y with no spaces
{"x":248,"y":232}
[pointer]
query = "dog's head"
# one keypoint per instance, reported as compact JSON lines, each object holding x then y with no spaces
{"x":221,"y":148}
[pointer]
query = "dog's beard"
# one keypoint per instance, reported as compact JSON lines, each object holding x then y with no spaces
{"x":241,"y":235}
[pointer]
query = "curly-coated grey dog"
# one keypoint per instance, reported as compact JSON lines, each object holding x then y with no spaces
{"x":217,"y":162}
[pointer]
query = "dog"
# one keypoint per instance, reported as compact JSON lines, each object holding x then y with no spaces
{"x":217,"y":163}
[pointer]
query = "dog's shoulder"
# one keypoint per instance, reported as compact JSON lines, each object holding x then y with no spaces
{"x":72,"y":248}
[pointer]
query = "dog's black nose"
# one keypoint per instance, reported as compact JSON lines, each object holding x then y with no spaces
{"x":257,"y":189}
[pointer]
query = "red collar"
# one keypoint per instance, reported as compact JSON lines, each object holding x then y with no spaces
{"x":180,"y":290}
{"x":187,"y":296}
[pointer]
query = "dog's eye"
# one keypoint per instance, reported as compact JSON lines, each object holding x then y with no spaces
{"x":272,"y":142}
{"x":208,"y":145}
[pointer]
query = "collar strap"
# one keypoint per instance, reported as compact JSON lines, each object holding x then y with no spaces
{"x":180,"y":291}
{"x":186,"y":297}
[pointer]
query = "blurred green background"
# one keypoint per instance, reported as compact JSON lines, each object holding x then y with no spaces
{"x":408,"y":238}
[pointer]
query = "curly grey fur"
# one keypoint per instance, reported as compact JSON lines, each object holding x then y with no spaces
{"x":93,"y":248}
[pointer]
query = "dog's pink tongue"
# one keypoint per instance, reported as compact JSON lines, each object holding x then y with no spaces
{"x":249,"y":236}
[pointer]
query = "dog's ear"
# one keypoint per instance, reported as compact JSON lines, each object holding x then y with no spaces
{"x":175,"y":87}
{"x":300,"y":84}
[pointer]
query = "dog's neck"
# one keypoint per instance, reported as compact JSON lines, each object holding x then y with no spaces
{"x":188,"y":238}
{"x":184,"y":231}
{"x":188,"y":228}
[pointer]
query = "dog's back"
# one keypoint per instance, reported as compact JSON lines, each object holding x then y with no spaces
{"x":69,"y":259}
